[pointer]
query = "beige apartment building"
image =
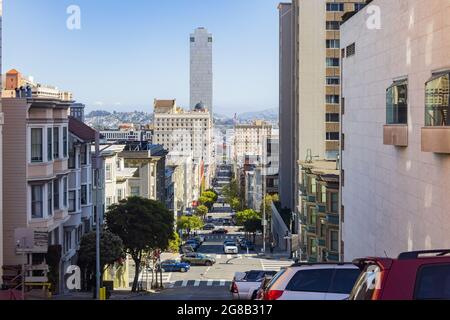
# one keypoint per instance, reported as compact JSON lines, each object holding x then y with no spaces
{"x":35,"y":163}
{"x":396,"y":126}
{"x":316,"y":86}
{"x":249,"y":140}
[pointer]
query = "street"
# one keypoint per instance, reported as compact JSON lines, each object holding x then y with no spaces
{"x":213,"y":283}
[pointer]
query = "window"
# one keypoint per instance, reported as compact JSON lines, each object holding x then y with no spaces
{"x":49,"y":144}
{"x":333,"y":62}
{"x":83,"y":154}
{"x":332,"y":117}
{"x":364,"y":288}
{"x":318,"y":280}
{"x":72,"y":201}
{"x":313,"y":217}
{"x":333,"y":44}
{"x":323,"y":190}
{"x":433,"y":283}
{"x":65,"y":186}
{"x":437,"y":105}
{"x":332,"y":99}
{"x":50,"y":198}
{"x":334,"y":202}
{"x":135,"y":192}
{"x":36,"y":145}
{"x":56,"y":194}
{"x":119,"y":194}
{"x":332,"y":25}
{"x":351,"y":50}
{"x":333,"y":81}
{"x":65,"y":142}
{"x":84,"y":199}
{"x":108,"y":172}
{"x":210,"y":39}
{"x":192,"y":40}
{"x":397,"y":103}
{"x":108,"y":201}
{"x":334,"y":241}
{"x":72,"y":157}
{"x":335,"y":7}
{"x":343,"y":280}
{"x":67,"y":240}
{"x":37,"y":210}
{"x":56,"y":143}
{"x":332,"y":136}
{"x":359,"y":6}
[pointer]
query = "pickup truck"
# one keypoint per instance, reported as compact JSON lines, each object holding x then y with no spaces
{"x":245,"y":284}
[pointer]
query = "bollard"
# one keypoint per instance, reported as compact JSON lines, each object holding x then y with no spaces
{"x":103,"y":293}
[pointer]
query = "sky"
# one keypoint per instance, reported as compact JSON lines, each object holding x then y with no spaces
{"x":127,"y":53}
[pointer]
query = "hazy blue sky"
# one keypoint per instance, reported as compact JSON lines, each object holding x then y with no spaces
{"x":129,"y":52}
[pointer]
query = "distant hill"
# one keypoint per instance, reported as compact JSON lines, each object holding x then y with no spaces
{"x":104,"y":120}
{"x":270,"y":115}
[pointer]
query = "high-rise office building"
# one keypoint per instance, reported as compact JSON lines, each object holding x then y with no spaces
{"x":201,"y":68}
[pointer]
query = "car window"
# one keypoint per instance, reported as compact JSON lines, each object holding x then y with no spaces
{"x":344,"y":280}
{"x":254,"y":275}
{"x":318,"y":280}
{"x":366,"y":284}
{"x":275,"y":278}
{"x":433,"y":283}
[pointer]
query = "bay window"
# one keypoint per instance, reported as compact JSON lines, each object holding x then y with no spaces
{"x":50,"y":198}
{"x":437,"y":100}
{"x":36,"y":202}
{"x":397,"y":103}
{"x":49,"y":144}
{"x":56,"y":143}
{"x":36,"y":145}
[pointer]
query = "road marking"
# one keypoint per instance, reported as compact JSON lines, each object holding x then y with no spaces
{"x":222,"y":282}
{"x":210,"y":283}
{"x":275,"y":265}
{"x":229,"y":256}
{"x":197,"y":283}
{"x":185,"y":283}
{"x":218,"y":256}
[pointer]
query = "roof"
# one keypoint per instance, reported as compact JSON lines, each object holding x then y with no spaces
{"x":321,"y":167}
{"x":13,"y":71}
{"x":81,"y":130}
{"x":165,"y":103}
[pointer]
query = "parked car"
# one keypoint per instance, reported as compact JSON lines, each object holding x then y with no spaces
{"x":418,"y":275}
{"x":240,"y":239}
{"x":198,"y":259}
{"x":245,"y":288}
{"x":230,"y":248}
{"x":200,"y":239}
{"x":220,"y":231}
{"x":209,"y":226}
{"x":193,"y":243}
{"x":174,"y":266}
{"x":186,"y":249}
{"x":247,"y":244}
{"x":321,"y":281}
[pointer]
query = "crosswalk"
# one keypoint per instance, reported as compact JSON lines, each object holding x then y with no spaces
{"x":231,"y":256}
{"x":197,"y":283}
{"x":274,"y":265}
{"x":146,"y":277}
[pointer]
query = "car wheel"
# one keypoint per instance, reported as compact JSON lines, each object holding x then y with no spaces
{"x":183,"y":270}
{"x":208,"y":263}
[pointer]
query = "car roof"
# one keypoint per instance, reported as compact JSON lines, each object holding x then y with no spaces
{"x":323,"y":265}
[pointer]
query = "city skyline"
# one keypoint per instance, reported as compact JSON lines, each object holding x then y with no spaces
{"x":247,"y":47}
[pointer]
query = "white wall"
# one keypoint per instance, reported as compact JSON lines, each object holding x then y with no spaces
{"x":396,"y":199}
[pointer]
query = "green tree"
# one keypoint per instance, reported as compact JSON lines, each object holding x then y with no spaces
{"x":243,"y":216}
{"x":253,"y":225}
{"x":235,"y":204}
{"x":111,"y":250}
{"x":143,"y":225}
{"x":202,"y":211}
{"x":174,"y":244}
{"x":189,"y":224}
{"x":206,"y":202}
{"x":211,"y":195}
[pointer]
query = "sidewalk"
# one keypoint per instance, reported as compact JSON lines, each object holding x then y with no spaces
{"x":276,"y":255}
{"x":115,"y":295}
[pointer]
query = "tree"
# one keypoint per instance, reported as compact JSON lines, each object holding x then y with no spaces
{"x":243,"y":216}
{"x":206,"y":202}
{"x":202,"y":211}
{"x":174,"y":244}
{"x":253,"y":225}
{"x":211,"y":195}
{"x":235,"y":204}
{"x":111,"y":250}
{"x":189,"y":223}
{"x":143,"y":225}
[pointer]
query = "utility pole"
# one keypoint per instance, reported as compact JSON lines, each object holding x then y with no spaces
{"x":264,"y":186}
{"x":97,"y":216}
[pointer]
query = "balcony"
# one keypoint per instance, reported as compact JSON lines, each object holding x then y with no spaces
{"x":311,"y":198}
{"x":332,"y":256}
{"x":436,"y":139}
{"x":321,"y":208}
{"x":311,"y":229}
{"x":395,"y":135}
{"x":321,"y":243}
{"x":333,"y":219}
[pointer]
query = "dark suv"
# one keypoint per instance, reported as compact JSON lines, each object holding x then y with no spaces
{"x":418,"y":275}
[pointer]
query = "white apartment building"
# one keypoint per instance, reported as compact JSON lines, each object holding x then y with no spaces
{"x":201,"y":69}
{"x":249,"y":139}
{"x":396,"y":130}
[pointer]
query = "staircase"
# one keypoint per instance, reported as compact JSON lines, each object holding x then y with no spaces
{"x":12,"y":283}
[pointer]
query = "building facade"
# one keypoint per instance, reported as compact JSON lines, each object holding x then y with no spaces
{"x":287,"y":113}
{"x":395,"y":150}
{"x":249,"y":140}
{"x":201,"y":69}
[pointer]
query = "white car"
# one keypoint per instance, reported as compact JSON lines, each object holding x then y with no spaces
{"x":230,"y":248}
{"x":323,"y":281}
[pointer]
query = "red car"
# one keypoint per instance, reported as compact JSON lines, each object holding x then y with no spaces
{"x":418,"y":275}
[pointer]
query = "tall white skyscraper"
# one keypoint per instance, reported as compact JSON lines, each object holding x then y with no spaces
{"x":201,"y":69}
